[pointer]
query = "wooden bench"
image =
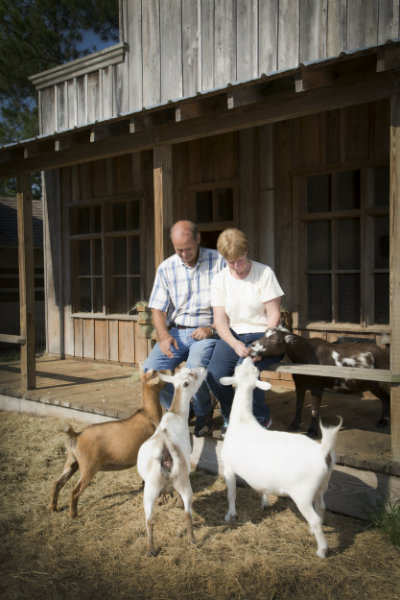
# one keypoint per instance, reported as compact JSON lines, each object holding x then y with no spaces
{"x":337,"y":372}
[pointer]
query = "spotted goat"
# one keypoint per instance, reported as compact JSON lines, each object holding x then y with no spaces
{"x":316,"y":351}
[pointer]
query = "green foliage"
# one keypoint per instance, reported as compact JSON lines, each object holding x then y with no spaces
{"x":36,"y":35}
{"x":388,"y":520}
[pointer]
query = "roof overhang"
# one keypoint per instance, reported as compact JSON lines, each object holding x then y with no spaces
{"x":352,"y":78}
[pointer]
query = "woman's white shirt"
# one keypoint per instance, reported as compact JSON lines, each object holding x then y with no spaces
{"x":243,"y":299}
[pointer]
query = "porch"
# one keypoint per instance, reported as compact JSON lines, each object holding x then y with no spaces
{"x":91,"y":391}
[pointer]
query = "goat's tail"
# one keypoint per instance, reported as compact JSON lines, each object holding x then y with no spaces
{"x":70,"y":431}
{"x":328,"y":441}
{"x":169,"y":454}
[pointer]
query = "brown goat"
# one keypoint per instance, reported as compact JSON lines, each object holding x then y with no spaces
{"x":110,"y":446}
{"x":316,"y":351}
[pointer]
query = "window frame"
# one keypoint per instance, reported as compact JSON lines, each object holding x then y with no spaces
{"x":106,"y":237}
{"x":190,"y":192}
{"x":366,"y":214}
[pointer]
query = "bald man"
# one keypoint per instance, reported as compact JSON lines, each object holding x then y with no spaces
{"x":181,"y":306}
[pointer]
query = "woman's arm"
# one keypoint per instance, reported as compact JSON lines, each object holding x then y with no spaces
{"x":273,"y":311}
{"x":222,"y":327}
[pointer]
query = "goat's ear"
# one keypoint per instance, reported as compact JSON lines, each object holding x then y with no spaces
{"x":165,"y":377}
{"x":227,"y":380}
{"x":263,"y":385}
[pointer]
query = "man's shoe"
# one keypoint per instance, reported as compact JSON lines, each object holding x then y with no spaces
{"x":204,"y":424}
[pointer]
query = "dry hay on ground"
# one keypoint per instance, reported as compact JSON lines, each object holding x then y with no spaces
{"x":264,"y":555}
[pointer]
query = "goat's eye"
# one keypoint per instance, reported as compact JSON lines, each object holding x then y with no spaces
{"x":186,"y":384}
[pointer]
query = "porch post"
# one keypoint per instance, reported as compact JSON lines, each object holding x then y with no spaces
{"x":163,"y":209}
{"x":395,"y":270}
{"x":26,"y":281}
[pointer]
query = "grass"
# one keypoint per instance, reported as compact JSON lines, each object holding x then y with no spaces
{"x":388,"y":520}
{"x":264,"y":555}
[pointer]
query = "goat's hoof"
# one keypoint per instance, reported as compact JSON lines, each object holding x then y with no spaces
{"x":230,"y":518}
{"x":153,"y":551}
{"x":322,"y":552}
{"x":294,"y":426}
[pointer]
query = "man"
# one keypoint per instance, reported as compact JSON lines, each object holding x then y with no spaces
{"x":182,"y":314}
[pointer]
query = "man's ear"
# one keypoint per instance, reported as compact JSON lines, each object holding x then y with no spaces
{"x":198,"y":237}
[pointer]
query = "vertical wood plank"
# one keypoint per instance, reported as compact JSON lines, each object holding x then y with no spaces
{"x":26,"y":281}
{"x":100,"y":340}
{"x":312,"y":35}
{"x":190,"y":47}
{"x":151,"y":52}
{"x":336,"y":27}
{"x":134,"y":58}
{"x":362,"y":24}
{"x":163,"y":211}
{"x":126,"y":348}
{"x":88,"y":338}
{"x":113,"y":343}
{"x":206,"y":8}
{"x":268,"y":37}
{"x":395,"y":270}
{"x":388,"y":20}
{"x":288,"y":34}
{"x":247,"y":40}
{"x":171,"y":49}
{"x":224,"y":42}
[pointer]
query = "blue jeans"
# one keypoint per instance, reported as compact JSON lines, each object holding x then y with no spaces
{"x":223,"y":363}
{"x":196,"y":353}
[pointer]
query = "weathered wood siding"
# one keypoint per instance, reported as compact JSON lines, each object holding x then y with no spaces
{"x":175,"y":48}
{"x":352,"y":136}
{"x":90,"y":335}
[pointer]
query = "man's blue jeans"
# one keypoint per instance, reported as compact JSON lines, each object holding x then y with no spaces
{"x":223,"y":363}
{"x":196,"y":354}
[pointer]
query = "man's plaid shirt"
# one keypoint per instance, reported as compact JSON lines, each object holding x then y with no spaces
{"x":183,"y":292}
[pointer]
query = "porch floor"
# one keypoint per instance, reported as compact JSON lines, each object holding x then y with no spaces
{"x":113,"y":391}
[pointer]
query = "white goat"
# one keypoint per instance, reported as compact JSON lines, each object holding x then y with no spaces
{"x":274,"y":462}
{"x":164,"y":459}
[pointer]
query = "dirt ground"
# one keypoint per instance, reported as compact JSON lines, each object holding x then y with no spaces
{"x":101,"y":554}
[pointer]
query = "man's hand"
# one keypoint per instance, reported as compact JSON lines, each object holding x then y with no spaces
{"x":165,"y":345}
{"x":202,"y":333}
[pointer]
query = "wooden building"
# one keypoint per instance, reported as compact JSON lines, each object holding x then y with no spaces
{"x":280,"y":117}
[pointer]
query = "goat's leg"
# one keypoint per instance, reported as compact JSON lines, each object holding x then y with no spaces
{"x":84,"y":481}
{"x":264,"y":500}
{"x":385,"y":399}
{"x":300,"y":393}
{"x":151,"y":492}
{"x":315,"y":523}
{"x":230,"y":480}
{"x":70,"y":467}
{"x":315,"y":406}
{"x":184,"y":489}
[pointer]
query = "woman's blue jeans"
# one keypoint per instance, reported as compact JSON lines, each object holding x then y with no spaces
{"x":196,"y":354}
{"x":222,"y":364}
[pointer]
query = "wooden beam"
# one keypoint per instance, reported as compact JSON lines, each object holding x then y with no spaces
{"x":337,"y":372}
{"x":12,"y":339}
{"x":163,"y":208}
{"x":26,"y":281}
{"x":395,"y":270}
{"x":273,"y":108}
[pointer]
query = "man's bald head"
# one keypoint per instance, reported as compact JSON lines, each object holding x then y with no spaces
{"x":186,"y":239}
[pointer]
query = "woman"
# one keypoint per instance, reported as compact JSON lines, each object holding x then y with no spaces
{"x":246,"y":300}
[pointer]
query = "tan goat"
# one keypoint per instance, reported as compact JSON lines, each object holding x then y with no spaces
{"x":110,"y":446}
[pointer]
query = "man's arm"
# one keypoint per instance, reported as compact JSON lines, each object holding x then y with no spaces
{"x":164,"y":337}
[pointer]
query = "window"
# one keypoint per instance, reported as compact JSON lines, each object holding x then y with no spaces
{"x":345,"y":232}
{"x":215,"y":208}
{"x":106,"y":256}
